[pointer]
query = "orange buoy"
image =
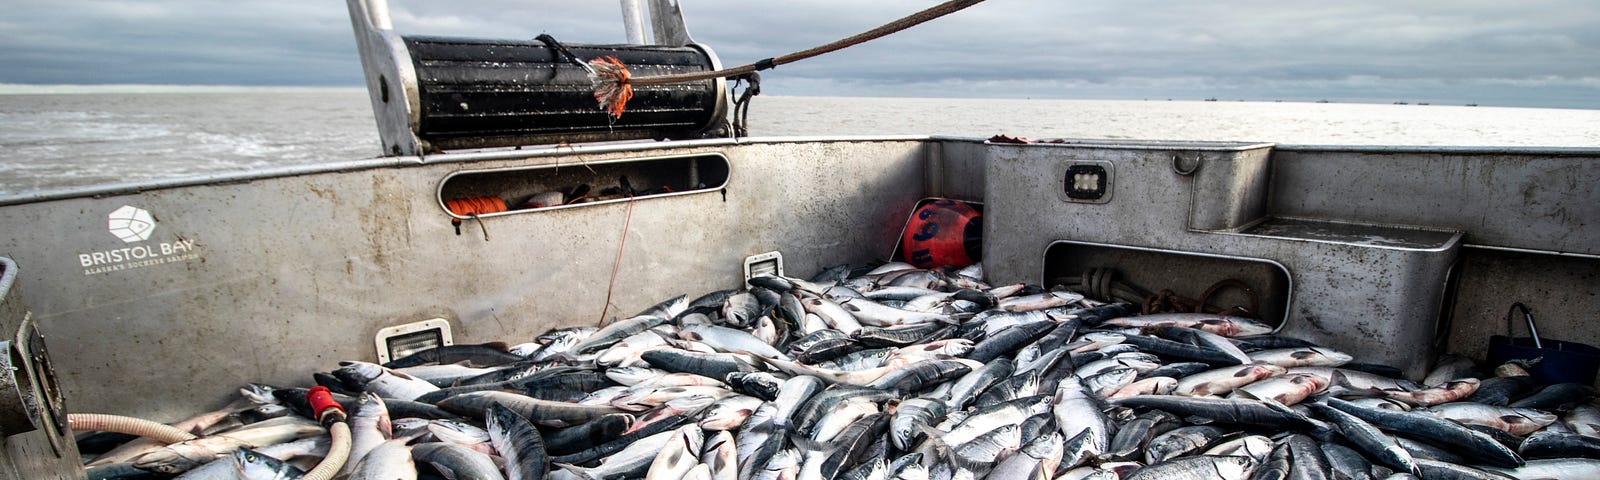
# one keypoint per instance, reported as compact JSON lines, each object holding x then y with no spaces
{"x":943,"y":233}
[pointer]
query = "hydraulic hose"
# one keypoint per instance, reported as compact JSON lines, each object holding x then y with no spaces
{"x":332,"y":416}
{"x":337,"y":454}
{"x":132,"y":426}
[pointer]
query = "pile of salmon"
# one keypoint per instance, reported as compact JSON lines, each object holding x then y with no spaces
{"x":893,"y":373}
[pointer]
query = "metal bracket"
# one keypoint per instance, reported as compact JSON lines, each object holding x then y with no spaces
{"x":391,"y":78}
{"x":666,"y":22}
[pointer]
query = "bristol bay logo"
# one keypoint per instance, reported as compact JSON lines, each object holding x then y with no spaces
{"x":134,"y":225}
{"x":131,"y":224}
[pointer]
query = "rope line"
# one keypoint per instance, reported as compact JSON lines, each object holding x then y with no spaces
{"x":616,"y":266}
{"x":741,"y":105}
{"x":614,"y":85}
{"x":475,"y":206}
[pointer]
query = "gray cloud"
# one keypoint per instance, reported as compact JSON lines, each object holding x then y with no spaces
{"x":1536,"y":53}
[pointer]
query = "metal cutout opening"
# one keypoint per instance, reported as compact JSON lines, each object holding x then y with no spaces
{"x":1189,"y":274}
{"x":570,"y":185}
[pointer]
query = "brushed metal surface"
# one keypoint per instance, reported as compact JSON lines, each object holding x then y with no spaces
{"x":667,"y":24}
{"x":391,"y":77}
{"x":296,"y":273}
{"x":1538,"y":200}
{"x":1562,"y":291}
{"x":1230,"y":188}
{"x":1377,"y":301}
{"x":297,"y":269}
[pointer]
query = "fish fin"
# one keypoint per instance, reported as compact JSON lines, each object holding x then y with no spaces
{"x":1276,"y":405}
{"x":579,"y":471}
{"x":1303,"y":354}
{"x":807,"y":444}
{"x":1238,"y":393}
{"x":979,"y":469}
{"x":933,"y":437}
{"x":1340,"y":380}
{"x":1407,"y":400}
{"x":1198,"y":420}
{"x":1457,"y":422}
{"x":241,"y":404}
{"x":400,"y":374}
{"x":445,"y":470}
{"x":786,"y":366}
{"x":501,"y":346}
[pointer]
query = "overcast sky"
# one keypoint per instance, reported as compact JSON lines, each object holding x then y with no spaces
{"x":1491,"y":52}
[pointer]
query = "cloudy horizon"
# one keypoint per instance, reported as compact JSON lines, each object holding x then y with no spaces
{"x":1531,"y":54}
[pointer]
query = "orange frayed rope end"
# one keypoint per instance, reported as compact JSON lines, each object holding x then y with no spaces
{"x":611,"y":87}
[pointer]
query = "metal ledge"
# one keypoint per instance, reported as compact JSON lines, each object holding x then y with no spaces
{"x":1169,"y":145}
{"x":129,"y":188}
{"x":1442,"y":149}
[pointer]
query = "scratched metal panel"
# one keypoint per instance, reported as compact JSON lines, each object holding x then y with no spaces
{"x":271,"y":279}
{"x":1536,"y":199}
{"x":1562,"y":291}
{"x":1378,"y":301}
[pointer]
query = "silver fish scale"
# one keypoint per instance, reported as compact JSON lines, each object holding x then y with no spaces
{"x":923,"y":410}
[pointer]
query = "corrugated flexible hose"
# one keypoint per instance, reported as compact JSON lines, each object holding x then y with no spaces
{"x":338,"y":453}
{"x":132,"y":426}
{"x":332,"y":416}
{"x":327,"y":410}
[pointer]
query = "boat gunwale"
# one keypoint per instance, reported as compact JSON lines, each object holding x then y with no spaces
{"x":544,"y":151}
{"x":509,"y":153}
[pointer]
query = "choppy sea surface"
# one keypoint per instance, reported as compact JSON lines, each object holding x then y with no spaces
{"x":56,"y":141}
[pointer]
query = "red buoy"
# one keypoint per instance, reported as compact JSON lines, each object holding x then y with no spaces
{"x":943,"y":233}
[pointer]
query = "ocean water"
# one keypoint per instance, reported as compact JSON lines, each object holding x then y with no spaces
{"x":56,"y":141}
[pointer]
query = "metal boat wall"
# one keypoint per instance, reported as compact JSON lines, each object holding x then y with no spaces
{"x":1391,"y":254}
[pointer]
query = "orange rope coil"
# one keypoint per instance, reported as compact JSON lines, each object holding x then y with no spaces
{"x":473,"y":207}
{"x":467,"y":207}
